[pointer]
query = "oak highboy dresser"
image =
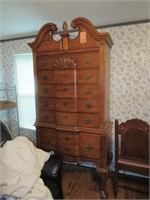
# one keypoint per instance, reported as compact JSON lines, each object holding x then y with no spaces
{"x":72,"y":93}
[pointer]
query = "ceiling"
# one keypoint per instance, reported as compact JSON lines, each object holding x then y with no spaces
{"x":21,"y":18}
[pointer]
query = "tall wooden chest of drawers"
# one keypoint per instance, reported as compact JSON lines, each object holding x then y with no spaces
{"x":72,"y":93}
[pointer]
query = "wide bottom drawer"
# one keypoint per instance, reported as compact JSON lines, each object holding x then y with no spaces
{"x":47,"y":139}
{"x":68,"y":143}
{"x":89,"y":145}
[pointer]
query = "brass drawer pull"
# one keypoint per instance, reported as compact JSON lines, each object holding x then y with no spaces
{"x":65,"y":89}
{"x":46,"y":104}
{"x":44,"y":64}
{"x":64,"y":75}
{"x":89,"y":147}
{"x":48,"y":141}
{"x":66,"y":149}
{"x":88,"y":105}
{"x":88,"y":91}
{"x":88,"y":61}
{"x":45,"y":117}
{"x":46,"y":90}
{"x":66,"y":117}
{"x":88,"y":120}
{"x":66,"y":138}
{"x":88,"y":76}
{"x":65,"y":103}
{"x":45,"y":77}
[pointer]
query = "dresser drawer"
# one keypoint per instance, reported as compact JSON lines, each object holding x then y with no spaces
{"x":67,"y":119}
{"x":68,"y":150}
{"x":88,"y":120}
{"x":45,"y":77}
{"x":89,"y":145}
{"x":46,"y":103}
{"x":45,"y":62}
{"x":48,"y":139}
{"x":88,"y":105}
{"x":68,"y":143}
{"x":46,"y":90}
{"x":46,"y":116}
{"x":86,"y":60}
{"x":68,"y":138}
{"x":66,"y":104}
{"x":65,"y":90}
{"x":89,"y":76}
{"x":87,"y":91}
{"x":64,"y":76}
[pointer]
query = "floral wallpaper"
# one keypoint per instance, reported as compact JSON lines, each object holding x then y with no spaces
{"x":0,"y":61}
{"x":130,"y":71}
{"x":8,"y":76}
{"x":2,"y":114}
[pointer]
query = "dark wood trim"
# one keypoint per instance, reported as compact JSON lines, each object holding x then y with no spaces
{"x":123,"y":24}
{"x":18,"y":38}
{"x":97,"y":27}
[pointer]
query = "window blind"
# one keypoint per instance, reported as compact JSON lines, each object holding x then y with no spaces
{"x":25,"y":90}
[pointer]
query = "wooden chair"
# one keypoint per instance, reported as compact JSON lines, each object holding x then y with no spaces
{"x":131,"y":148}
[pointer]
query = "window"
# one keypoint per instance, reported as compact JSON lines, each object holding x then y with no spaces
{"x":25,"y":90}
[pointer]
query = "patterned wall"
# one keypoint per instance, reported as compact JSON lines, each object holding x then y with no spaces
{"x":0,"y":61}
{"x":8,"y":50}
{"x":130,"y":70}
{"x":2,"y":114}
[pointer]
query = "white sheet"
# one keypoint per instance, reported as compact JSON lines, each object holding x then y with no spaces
{"x":20,"y":168}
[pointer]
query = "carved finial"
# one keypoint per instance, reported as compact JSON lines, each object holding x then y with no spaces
{"x":65,"y":36}
{"x":65,"y":26}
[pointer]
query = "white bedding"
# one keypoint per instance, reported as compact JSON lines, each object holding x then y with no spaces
{"x":20,"y":168}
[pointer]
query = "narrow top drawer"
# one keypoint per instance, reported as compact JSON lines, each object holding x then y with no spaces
{"x":45,"y":62}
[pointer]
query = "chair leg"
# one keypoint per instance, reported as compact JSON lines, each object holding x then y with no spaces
{"x":114,"y":178}
{"x":115,"y":184}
